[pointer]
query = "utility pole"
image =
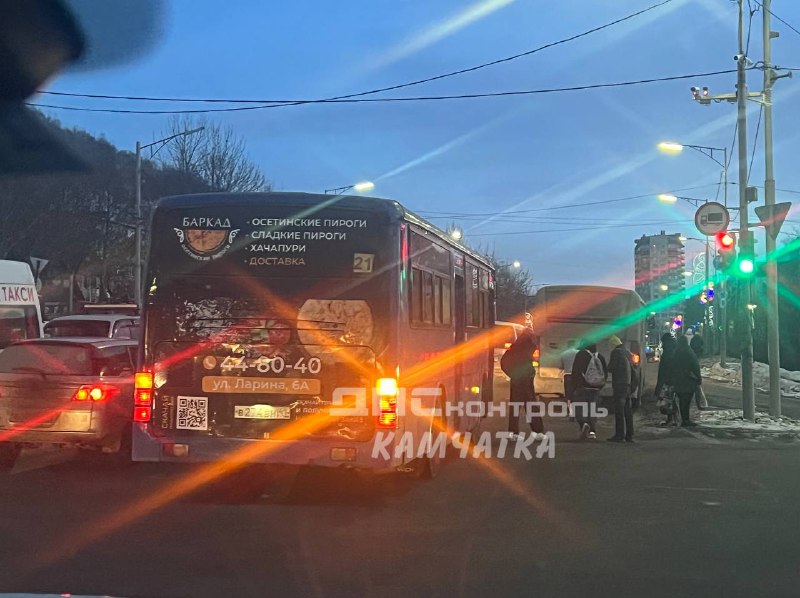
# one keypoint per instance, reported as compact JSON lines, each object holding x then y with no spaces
{"x":771,"y":265}
{"x":748,"y":390}
{"x":137,"y":289}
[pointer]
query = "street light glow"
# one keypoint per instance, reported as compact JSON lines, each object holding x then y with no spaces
{"x":456,"y":234}
{"x":364,"y":186}
{"x":663,"y":287}
{"x":688,"y":273}
{"x":670,"y":147}
{"x":683,"y":239}
{"x":667,"y":198}
{"x":516,"y":264}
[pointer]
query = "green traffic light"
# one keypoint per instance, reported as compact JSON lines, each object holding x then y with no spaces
{"x":746,"y":266}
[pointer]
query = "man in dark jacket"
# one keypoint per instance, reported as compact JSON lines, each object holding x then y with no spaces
{"x":517,"y":363}
{"x":585,"y":391}
{"x":620,"y":367}
{"x":685,"y":377}
{"x":696,"y":345}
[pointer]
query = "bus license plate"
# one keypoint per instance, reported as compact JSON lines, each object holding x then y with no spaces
{"x":261,"y":412}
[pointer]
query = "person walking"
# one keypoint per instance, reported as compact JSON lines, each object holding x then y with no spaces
{"x":517,"y":364}
{"x":589,"y":373}
{"x":567,"y":359}
{"x":620,"y":366}
{"x":664,"y":392}
{"x":685,"y":377}
{"x":696,"y":344}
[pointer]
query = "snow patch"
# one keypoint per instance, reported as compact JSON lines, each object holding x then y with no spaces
{"x":731,"y":419}
{"x":732,"y":374}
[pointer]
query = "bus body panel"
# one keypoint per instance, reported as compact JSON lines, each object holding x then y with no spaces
{"x":191,"y":289}
{"x":20,"y":312}
{"x":565,"y":313}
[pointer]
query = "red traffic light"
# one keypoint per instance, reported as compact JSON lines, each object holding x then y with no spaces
{"x":725,"y":241}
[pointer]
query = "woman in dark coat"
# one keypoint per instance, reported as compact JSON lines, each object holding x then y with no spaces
{"x":663,"y":386}
{"x":685,"y":377}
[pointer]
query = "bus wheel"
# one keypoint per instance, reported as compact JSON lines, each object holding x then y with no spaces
{"x":9,"y":451}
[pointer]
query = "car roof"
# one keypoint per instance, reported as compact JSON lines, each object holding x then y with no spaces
{"x":513,"y":324}
{"x":97,"y":342}
{"x":95,"y":317}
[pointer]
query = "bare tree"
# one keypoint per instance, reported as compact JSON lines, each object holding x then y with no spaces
{"x":216,"y":154}
{"x":185,"y":152}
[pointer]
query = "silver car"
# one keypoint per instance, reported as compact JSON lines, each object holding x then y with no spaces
{"x":71,"y":392}
{"x":94,"y":326}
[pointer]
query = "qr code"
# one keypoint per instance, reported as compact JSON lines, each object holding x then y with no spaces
{"x":192,"y":413}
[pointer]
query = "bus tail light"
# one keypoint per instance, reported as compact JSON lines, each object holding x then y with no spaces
{"x":386,"y":389}
{"x":143,"y":396}
{"x":95,"y":392}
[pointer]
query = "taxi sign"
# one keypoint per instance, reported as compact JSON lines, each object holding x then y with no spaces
{"x":711,"y":218}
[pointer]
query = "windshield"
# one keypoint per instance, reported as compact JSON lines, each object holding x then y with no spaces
{"x":77,"y":328}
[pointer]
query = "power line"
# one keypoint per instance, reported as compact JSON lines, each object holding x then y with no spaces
{"x":563,"y":206}
{"x":557,"y":230}
{"x":401,"y":99}
{"x":789,"y":25}
{"x":381,"y":89}
{"x":755,"y":142}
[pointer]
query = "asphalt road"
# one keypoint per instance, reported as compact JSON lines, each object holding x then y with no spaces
{"x":675,"y":514}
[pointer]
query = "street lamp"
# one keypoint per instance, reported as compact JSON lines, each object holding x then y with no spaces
{"x":673,"y":147}
{"x":516,"y":264}
{"x":667,"y":198}
{"x":361,"y":187}
{"x":456,"y":234}
{"x":139,"y":148}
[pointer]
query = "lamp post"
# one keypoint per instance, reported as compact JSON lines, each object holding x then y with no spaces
{"x":672,"y":147}
{"x":139,"y":148}
{"x":361,"y":187}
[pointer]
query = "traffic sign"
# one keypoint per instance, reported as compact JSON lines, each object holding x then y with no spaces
{"x":38,"y":265}
{"x":772,"y":217}
{"x":711,"y":218}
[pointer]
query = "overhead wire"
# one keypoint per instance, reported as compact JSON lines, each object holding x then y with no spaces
{"x":789,"y":25}
{"x":400,"y":99}
{"x":564,"y":206}
{"x":381,"y":89}
{"x":755,"y":142}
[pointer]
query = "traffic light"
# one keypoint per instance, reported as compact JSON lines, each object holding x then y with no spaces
{"x":746,"y":262}
{"x":726,"y":248}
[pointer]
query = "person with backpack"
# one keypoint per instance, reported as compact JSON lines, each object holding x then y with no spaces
{"x":589,"y":372}
{"x":696,"y":345}
{"x":517,"y":364}
{"x":620,"y":365}
{"x":567,"y":359}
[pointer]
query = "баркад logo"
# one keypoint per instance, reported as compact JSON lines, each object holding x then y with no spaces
{"x":206,"y":238}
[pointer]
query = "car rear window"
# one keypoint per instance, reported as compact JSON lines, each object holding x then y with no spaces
{"x":47,"y":358}
{"x":77,"y":328}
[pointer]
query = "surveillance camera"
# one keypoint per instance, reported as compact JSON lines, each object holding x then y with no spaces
{"x":739,"y":57}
